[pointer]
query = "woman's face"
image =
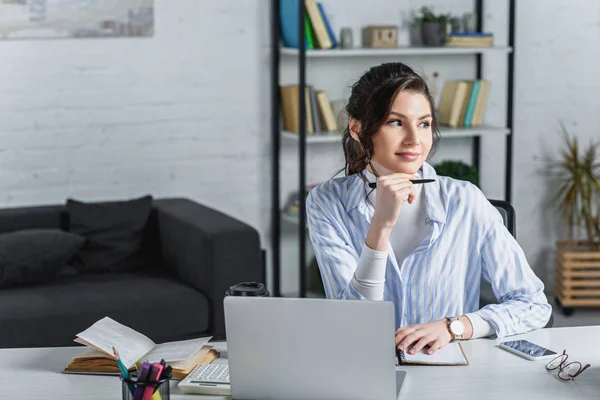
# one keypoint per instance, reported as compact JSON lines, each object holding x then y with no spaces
{"x":404,"y":141}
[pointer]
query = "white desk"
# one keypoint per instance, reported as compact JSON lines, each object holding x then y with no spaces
{"x":34,"y":374}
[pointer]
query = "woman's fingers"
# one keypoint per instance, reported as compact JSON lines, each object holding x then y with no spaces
{"x":397,"y":177}
{"x":435,"y":346}
{"x":424,"y":341}
{"x":401,"y":333}
{"x":404,"y":189}
{"x":410,"y":339}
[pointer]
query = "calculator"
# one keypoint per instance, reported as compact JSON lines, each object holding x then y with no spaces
{"x":207,"y":379}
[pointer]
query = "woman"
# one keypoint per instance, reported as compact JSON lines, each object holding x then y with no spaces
{"x":425,"y":246}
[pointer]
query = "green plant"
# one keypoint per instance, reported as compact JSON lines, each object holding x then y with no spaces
{"x":458,"y":170}
{"x":578,"y":193}
{"x":427,"y":15}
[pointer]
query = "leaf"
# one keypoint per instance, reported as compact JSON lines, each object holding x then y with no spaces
{"x":577,"y":175}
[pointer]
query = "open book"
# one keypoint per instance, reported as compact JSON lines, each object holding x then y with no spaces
{"x":451,"y":354}
{"x":101,"y":337}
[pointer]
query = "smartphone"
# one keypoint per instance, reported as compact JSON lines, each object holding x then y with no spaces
{"x":528,"y":350}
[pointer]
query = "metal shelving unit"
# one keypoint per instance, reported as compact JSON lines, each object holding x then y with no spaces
{"x":301,"y":55}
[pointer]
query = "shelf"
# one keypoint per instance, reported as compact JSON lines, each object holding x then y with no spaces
{"x":397,"y":51}
{"x":484,"y":130}
{"x":446,"y":132}
{"x":323,"y":137}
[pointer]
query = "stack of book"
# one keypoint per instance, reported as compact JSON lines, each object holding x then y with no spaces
{"x":463,"y":103}
{"x":319,"y":112}
{"x":470,"y":39}
{"x":318,"y":31}
{"x":133,"y":347}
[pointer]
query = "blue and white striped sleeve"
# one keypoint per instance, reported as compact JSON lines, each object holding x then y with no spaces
{"x":337,"y":259}
{"x":523,"y":306}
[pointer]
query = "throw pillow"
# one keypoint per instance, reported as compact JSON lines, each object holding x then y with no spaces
{"x":114,"y":233}
{"x":35,"y":255}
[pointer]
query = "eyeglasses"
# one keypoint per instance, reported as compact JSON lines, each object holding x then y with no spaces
{"x":567,"y":371}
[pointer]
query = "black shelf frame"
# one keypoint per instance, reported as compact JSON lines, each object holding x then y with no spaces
{"x":276,"y":134}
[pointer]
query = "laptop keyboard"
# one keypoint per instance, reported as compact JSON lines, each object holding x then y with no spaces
{"x":210,"y":373}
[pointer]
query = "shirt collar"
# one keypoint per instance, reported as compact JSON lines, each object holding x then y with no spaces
{"x":434,"y":194}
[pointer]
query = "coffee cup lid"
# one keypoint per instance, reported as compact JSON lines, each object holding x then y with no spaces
{"x":248,"y":289}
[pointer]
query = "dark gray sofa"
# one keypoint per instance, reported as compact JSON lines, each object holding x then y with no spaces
{"x":196,"y":253}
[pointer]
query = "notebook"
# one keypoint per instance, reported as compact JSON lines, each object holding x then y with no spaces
{"x":451,"y":354}
{"x":102,"y":336}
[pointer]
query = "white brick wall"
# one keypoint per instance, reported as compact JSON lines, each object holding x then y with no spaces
{"x":186,"y":113}
{"x":181,"y":114}
{"x":556,"y":78}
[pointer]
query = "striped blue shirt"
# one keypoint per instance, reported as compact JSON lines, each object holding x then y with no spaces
{"x":466,"y":240}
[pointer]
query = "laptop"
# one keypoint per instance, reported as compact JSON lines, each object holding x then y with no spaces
{"x":311,"y":349}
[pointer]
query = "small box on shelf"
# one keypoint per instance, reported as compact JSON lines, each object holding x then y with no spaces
{"x":380,"y":36}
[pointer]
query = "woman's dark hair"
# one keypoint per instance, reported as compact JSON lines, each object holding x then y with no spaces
{"x":370,"y":103}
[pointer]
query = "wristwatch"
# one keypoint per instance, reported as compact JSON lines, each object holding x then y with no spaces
{"x":456,"y":329}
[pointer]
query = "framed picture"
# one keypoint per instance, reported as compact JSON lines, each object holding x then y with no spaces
{"x":47,"y":19}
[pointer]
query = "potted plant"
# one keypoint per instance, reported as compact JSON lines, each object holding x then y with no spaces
{"x":577,"y":197}
{"x":433,"y":27}
{"x":458,"y":170}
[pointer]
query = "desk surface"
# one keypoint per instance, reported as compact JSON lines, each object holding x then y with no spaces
{"x":493,"y":373}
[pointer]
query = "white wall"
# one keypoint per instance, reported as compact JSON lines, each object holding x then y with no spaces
{"x":187,"y":112}
{"x":181,"y":114}
{"x":556,"y":78}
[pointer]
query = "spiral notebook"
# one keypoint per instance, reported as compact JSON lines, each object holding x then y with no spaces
{"x":451,"y":354}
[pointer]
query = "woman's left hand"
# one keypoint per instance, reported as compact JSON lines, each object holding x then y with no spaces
{"x":434,"y":335}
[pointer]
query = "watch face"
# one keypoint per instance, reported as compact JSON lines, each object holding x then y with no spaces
{"x":457,"y":327}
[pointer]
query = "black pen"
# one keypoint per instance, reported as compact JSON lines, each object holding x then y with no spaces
{"x":373,"y":185}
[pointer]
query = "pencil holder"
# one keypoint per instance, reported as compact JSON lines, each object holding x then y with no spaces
{"x":160,"y":389}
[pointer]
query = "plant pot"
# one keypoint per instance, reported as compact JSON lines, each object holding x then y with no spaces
{"x":577,"y":275}
{"x":433,"y":33}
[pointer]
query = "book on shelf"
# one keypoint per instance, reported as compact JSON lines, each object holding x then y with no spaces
{"x":318,"y":24}
{"x":470,"y":39}
{"x":319,"y":110}
{"x":318,"y":32}
{"x":480,"y":103}
{"x":314,"y":111}
{"x":463,"y":102}
{"x":310,"y":35}
{"x":132,"y":346}
{"x":328,"y":119}
{"x":290,"y":95}
{"x":328,"y":25}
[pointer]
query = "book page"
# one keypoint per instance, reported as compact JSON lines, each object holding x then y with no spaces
{"x":176,"y":351}
{"x":107,"y":333}
{"x":92,"y":353}
{"x":188,"y":365}
{"x":451,"y":354}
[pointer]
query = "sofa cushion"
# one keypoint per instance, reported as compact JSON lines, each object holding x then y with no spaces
{"x":35,"y":255}
{"x":46,"y":217}
{"x":114,"y":233}
{"x":52,"y":314}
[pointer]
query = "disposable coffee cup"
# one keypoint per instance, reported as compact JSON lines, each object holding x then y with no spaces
{"x":248,"y":289}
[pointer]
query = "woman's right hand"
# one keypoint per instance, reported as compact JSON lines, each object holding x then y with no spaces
{"x":391,"y":191}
